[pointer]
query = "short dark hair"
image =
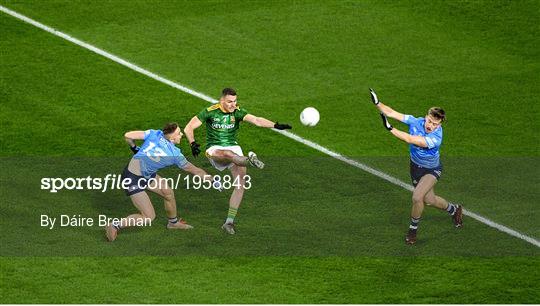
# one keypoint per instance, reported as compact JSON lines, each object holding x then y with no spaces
{"x":437,"y":113}
{"x":170,"y":127}
{"x":228,"y":92}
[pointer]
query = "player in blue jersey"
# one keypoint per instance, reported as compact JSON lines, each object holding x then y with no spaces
{"x":157,"y":152}
{"x":424,"y":139}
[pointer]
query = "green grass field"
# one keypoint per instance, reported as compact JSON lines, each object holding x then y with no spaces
{"x":313,"y":229}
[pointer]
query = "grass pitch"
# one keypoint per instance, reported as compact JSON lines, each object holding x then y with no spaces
{"x":312,"y":230}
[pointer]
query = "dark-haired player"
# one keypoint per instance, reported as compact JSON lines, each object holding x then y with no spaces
{"x":424,"y":139}
{"x":222,"y":122}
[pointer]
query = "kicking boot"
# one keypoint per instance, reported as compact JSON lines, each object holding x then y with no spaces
{"x":254,"y":160}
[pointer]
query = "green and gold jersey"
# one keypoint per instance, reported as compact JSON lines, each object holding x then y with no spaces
{"x":221,"y":127}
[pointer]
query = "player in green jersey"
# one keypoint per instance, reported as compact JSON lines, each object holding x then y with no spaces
{"x":222,"y":123}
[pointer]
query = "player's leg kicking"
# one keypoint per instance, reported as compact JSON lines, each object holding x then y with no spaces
{"x":228,"y":156}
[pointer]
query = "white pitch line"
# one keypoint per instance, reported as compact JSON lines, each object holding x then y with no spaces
{"x":106,"y":54}
{"x":293,"y":136}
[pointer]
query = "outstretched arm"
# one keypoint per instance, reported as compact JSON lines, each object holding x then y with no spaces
{"x":263,"y":122}
{"x":259,"y":121}
{"x":408,"y":138}
{"x":189,"y":167}
{"x":389,"y":112}
{"x":418,"y":141}
{"x":386,"y":110}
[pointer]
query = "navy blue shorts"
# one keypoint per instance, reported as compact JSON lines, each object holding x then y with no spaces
{"x":418,"y":171}
{"x":136,"y":183}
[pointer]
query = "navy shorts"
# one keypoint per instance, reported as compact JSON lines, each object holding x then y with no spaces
{"x":136,"y":184}
{"x":418,"y":171}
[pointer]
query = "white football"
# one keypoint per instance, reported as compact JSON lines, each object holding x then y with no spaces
{"x":309,"y":116}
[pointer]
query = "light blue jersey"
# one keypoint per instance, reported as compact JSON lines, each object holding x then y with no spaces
{"x":157,"y":153}
{"x":424,"y":157}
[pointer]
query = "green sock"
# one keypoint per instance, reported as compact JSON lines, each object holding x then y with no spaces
{"x":231,"y":215}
